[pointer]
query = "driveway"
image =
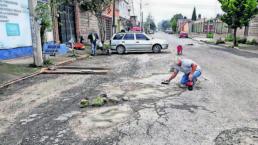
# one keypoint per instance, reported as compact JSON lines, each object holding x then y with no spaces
{"x":222,"y":109}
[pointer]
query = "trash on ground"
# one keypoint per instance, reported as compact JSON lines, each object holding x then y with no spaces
{"x":101,"y":100}
{"x":84,"y":103}
{"x":98,"y":101}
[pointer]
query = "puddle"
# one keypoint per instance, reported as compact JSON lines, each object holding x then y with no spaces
{"x":100,"y":122}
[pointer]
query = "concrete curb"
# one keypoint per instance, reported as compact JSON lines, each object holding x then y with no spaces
{"x":222,"y":46}
{"x":41,"y":71}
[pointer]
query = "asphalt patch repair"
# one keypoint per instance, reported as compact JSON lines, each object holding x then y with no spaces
{"x":100,"y":122}
{"x":238,"y":136}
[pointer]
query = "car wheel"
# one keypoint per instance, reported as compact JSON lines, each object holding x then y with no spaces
{"x":120,"y":49}
{"x":156,"y":48}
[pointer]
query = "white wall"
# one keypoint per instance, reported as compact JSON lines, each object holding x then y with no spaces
{"x":15,"y":28}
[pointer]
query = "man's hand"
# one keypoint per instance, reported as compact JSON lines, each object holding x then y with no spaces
{"x":190,"y":77}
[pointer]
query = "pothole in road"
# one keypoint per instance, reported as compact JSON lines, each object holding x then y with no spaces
{"x":100,"y":122}
{"x":238,"y":136}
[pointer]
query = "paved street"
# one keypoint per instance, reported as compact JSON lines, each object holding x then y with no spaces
{"x":222,"y":109}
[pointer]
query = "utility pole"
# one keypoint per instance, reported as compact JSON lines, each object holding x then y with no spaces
{"x":35,"y":33}
{"x":114,"y":17}
{"x":141,"y":13}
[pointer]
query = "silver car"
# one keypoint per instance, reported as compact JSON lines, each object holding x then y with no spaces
{"x":136,"y":42}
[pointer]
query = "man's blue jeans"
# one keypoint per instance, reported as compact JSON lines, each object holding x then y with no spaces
{"x":93,"y":48}
{"x":185,"y":77}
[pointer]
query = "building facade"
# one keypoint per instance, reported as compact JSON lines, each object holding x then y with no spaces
{"x":75,"y":23}
{"x":218,"y":27}
{"x":15,"y":29}
{"x":253,"y":29}
{"x":124,"y":15}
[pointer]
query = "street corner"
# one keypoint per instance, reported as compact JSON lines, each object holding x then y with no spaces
{"x":100,"y":122}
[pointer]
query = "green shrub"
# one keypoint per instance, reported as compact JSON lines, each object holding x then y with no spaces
{"x":48,"y":62}
{"x":210,"y":35}
{"x":254,"y":42}
{"x":229,"y":38}
{"x":242,"y":40}
{"x":248,"y":42}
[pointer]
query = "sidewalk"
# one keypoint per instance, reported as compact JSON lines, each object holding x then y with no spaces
{"x":15,"y":69}
{"x":241,"y":47}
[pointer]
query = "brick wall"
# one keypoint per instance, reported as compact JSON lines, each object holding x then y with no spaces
{"x":88,"y":23}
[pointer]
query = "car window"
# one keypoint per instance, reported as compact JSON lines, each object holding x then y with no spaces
{"x":129,"y":37}
{"x":118,"y":36}
{"x":141,"y":37}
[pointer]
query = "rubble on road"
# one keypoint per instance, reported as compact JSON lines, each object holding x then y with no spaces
{"x":100,"y":101}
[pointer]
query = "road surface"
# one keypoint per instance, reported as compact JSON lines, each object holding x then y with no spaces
{"x":222,"y":109}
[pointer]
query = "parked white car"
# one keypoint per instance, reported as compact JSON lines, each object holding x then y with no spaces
{"x":136,"y":42}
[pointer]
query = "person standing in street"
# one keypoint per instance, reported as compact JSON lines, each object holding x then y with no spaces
{"x":191,"y":72}
{"x":93,"y":37}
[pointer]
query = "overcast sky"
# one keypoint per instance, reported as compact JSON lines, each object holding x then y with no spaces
{"x":165,"y":9}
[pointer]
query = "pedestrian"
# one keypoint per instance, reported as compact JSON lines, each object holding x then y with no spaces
{"x":81,"y":39}
{"x":93,"y":37}
{"x":179,"y":50}
{"x":191,"y":72}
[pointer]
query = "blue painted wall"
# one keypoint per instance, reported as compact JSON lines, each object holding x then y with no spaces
{"x":15,"y":52}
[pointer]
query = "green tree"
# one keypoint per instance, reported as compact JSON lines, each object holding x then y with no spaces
{"x":238,"y":13}
{"x":194,"y":17}
{"x":174,"y":25}
{"x":46,"y":13}
{"x":174,"y":20}
{"x":165,"y":24}
{"x":150,"y":24}
{"x":97,"y":7}
{"x":44,"y":18}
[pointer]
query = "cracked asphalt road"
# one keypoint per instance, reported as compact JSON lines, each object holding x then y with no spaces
{"x":222,"y":109}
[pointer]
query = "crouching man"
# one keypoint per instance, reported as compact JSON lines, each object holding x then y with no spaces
{"x":191,"y":72}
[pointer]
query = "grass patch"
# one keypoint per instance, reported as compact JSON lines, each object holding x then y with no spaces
{"x":16,"y":69}
{"x":210,"y":35}
{"x":229,"y":38}
{"x":10,"y":72}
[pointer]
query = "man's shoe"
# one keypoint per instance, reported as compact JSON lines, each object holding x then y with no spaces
{"x":166,"y":82}
{"x":190,"y":88}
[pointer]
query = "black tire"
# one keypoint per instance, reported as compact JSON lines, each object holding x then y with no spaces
{"x":156,"y":48}
{"x":120,"y":49}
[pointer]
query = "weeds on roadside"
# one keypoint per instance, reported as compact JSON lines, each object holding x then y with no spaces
{"x":48,"y":62}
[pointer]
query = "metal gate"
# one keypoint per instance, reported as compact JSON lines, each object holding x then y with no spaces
{"x":108,"y":23}
{"x":67,"y":24}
